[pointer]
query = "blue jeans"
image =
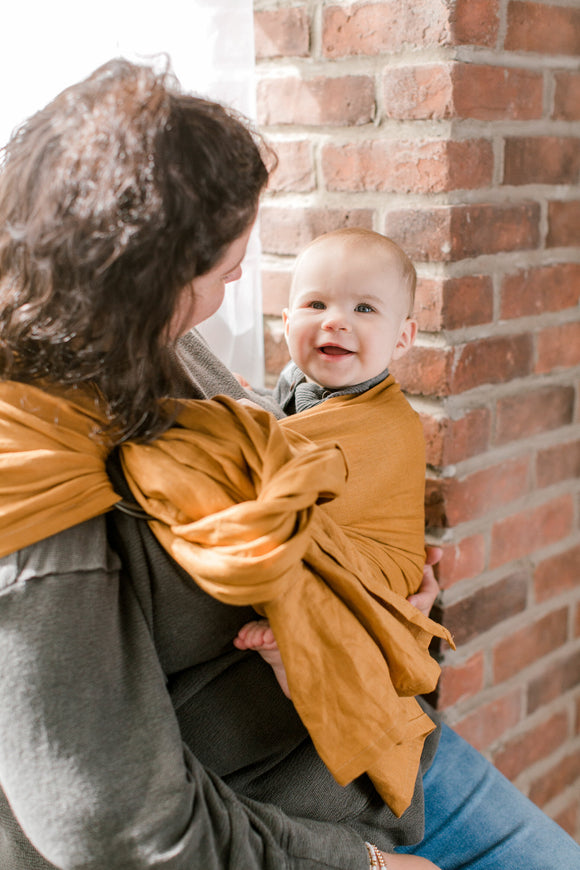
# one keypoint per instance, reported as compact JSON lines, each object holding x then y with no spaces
{"x":475,"y":819}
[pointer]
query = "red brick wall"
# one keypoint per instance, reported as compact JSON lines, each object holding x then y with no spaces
{"x":454,"y":127}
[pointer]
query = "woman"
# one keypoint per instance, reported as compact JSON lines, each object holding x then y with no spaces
{"x":132,"y":733}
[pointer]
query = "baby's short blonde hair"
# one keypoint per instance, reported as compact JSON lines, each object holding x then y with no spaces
{"x":371,"y":239}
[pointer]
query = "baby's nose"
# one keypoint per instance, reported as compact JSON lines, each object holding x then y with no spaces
{"x":335,"y":319}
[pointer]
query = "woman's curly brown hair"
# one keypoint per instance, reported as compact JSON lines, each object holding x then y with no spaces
{"x":112,"y":199}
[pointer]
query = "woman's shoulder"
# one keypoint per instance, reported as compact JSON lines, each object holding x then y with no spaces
{"x":79,"y":549}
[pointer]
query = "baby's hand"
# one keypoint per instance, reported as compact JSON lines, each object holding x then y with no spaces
{"x":242,"y":381}
{"x":258,"y":635}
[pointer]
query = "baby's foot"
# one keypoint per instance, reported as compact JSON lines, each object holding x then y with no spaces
{"x":258,"y":635}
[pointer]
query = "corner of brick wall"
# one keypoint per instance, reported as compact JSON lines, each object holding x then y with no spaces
{"x":454,"y":127}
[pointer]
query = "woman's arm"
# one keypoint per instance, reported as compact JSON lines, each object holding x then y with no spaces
{"x":91,"y":758}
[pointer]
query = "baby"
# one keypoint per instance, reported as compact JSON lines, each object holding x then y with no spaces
{"x":349,"y":315}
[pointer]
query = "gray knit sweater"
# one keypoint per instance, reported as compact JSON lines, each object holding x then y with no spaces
{"x":134,"y":735}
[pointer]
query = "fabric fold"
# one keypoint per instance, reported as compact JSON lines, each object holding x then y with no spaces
{"x":51,"y":465}
{"x":239,"y":503}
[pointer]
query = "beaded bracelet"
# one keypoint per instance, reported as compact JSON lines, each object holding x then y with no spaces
{"x":376,"y":859}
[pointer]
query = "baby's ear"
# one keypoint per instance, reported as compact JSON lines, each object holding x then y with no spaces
{"x":406,"y":338}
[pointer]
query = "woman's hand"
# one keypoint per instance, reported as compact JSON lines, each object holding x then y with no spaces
{"x":407,"y":862}
{"x":429,"y":589}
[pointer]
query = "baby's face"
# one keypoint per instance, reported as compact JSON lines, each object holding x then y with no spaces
{"x":348,"y":314}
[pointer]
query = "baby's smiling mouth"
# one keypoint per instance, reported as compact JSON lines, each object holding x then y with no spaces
{"x":334,"y":350}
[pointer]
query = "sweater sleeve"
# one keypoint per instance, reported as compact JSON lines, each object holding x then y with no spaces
{"x":91,"y":759}
{"x":204,"y":376}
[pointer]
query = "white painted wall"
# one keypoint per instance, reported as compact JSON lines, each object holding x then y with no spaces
{"x":46,"y":46}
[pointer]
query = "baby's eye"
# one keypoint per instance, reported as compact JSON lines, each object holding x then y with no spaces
{"x":317,"y":304}
{"x":364,"y":307}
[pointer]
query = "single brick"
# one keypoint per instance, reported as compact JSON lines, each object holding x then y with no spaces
{"x":453,"y":303}
{"x":457,"y":232}
{"x":451,"y":441}
{"x":461,"y":561}
{"x":421,"y":91}
{"x":467,"y":301}
{"x":558,"y":463}
{"x":374,"y":28}
{"x":460,"y":682}
{"x":530,"y":530}
{"x":567,"y":96}
{"x":554,"y":681}
{"x":494,"y":360}
{"x":551,"y":783}
{"x":336,"y":101}
{"x":408,"y":166}
{"x":528,"y":413}
{"x":281,"y":33}
{"x":557,"y":574}
{"x":541,"y":160}
{"x":470,"y":164}
{"x":540,"y":289}
{"x":494,"y":93}
{"x":475,"y":22}
{"x":542,"y":28}
{"x":469,"y":436}
{"x":486,"y":608}
{"x":462,"y":90}
{"x":483,"y":491}
{"x":424,"y":370}
{"x":295,"y":170}
{"x":429,"y":304}
{"x":423,"y":233}
{"x":558,"y":347}
{"x":531,"y":643}
{"x":490,"y":721}
{"x":531,"y":746}
{"x":563,"y":223}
